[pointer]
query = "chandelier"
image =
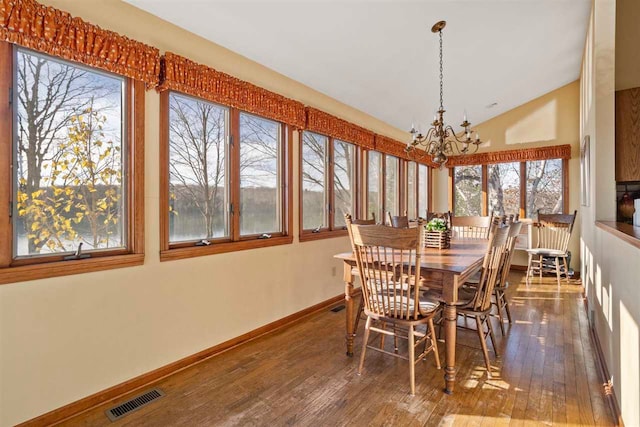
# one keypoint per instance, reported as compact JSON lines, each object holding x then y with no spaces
{"x":441,"y":140}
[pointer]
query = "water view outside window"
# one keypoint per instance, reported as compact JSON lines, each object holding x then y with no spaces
{"x":67,"y":179}
{"x":392,"y":196}
{"x":343,"y":180}
{"x":467,"y":185}
{"x":198,"y":190}
{"x":260,"y":202}
{"x":504,"y":188}
{"x":411,"y":190}
{"x":314,"y":191}
{"x":423,"y":189}
{"x":544,"y":187}
{"x":374,"y":198}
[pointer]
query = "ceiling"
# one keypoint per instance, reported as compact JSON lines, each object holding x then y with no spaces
{"x":382,"y":58}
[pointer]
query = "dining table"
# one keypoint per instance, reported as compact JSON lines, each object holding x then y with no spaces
{"x":443,"y":272}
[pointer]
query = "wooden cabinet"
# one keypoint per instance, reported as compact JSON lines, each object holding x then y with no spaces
{"x":628,"y":135}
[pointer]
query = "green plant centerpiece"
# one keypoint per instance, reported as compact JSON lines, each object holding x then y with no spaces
{"x":436,"y":234}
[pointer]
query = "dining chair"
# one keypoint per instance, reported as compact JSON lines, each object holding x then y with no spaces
{"x":554,"y":233}
{"x":500,"y":289}
{"x":371,"y":221}
{"x":388,"y":260}
{"x":399,"y":221}
{"x":470,"y":227}
{"x":480,"y":306}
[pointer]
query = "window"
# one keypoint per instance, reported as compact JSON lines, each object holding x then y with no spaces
{"x":423,"y":190}
{"x":374,"y":195}
{"x":503,"y":180}
{"x":513,"y":187}
{"x":328,"y":185}
{"x":544,"y":187}
{"x":392,"y":185}
{"x":412,"y":189}
{"x":221,"y":195}
{"x":467,"y":186}
{"x":73,"y":176}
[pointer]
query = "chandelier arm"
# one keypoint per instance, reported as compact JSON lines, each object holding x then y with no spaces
{"x":453,"y":134}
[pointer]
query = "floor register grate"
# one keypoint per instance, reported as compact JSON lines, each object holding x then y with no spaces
{"x":133,"y":404}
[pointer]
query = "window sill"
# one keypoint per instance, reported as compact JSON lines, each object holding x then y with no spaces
{"x":67,"y":268}
{"x":220,"y":248}
{"x":309,"y":237}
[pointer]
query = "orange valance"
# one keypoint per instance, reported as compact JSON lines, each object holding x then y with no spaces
{"x":396,"y":148}
{"x":181,"y":74}
{"x":326,"y":124}
{"x":52,"y":31}
{"x":540,"y":153}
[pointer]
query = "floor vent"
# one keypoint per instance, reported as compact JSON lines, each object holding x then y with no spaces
{"x":338,"y":308}
{"x":134,"y":404}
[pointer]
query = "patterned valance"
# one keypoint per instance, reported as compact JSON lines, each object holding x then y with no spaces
{"x":181,"y":74}
{"x":52,"y":31}
{"x":396,"y":148}
{"x":326,"y":124}
{"x":540,"y":153}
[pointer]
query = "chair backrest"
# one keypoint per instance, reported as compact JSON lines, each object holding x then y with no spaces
{"x":492,"y":266}
{"x":371,"y":221}
{"x":471,"y":227}
{"x":388,"y":261}
{"x":443,"y":215}
{"x":399,"y":221}
{"x":554,"y":230}
{"x":514,"y":232}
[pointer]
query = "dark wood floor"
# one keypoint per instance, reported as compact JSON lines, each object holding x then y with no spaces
{"x":299,"y":375}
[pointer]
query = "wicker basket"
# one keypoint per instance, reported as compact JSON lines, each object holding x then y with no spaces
{"x":437,"y":239}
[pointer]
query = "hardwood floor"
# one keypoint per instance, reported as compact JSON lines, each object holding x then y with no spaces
{"x":299,"y":375}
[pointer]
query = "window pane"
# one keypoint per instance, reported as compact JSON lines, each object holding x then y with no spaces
{"x":411,"y":190}
{"x":374,"y":199}
{"x":314,"y":193}
{"x":69,"y":166}
{"x":503,"y":181}
{"x":467,"y":183}
{"x":260,"y":197}
{"x":391,"y":185}
{"x":544,"y":187}
{"x":344,"y":161}
{"x":198,"y":191}
{"x":423,"y":188}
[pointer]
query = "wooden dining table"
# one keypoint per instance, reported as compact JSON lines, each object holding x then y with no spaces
{"x":443,"y":271}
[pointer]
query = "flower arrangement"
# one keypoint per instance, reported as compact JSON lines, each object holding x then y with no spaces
{"x":436,"y":224}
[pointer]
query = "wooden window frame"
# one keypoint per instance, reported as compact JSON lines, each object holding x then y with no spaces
{"x":40,"y":267}
{"x":235,"y":242}
{"x":331,"y":230}
{"x":523,"y":186}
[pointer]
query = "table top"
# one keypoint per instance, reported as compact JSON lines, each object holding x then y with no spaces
{"x":462,"y":254}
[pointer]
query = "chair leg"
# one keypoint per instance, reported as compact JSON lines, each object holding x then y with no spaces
{"x":360,"y":310}
{"x":383,"y":336}
{"x":557,"y":262}
{"x":434,"y":342}
{"x":365,"y":339}
{"x":566,"y":269}
{"x":480,"y":329}
{"x":493,"y":338}
{"x":541,"y":261}
{"x":395,"y":338}
{"x":412,"y":361}
{"x":498,"y":295}
{"x":529,"y":272}
{"x":506,"y":308}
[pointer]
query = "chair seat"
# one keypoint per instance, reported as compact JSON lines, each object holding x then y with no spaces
{"x":547,"y":252}
{"x":426,"y":306}
{"x":465,"y":296}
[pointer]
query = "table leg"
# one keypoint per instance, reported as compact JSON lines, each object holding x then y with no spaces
{"x":348,"y":298}
{"x":450,"y":319}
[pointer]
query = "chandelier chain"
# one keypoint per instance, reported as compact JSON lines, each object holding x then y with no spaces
{"x":441,"y":73}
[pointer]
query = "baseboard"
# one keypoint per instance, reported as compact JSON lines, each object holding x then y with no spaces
{"x":75,"y":408}
{"x":608,"y":390}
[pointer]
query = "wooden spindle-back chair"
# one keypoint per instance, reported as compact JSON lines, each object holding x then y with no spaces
{"x":471,"y":227}
{"x":502,"y":303}
{"x":480,"y":305}
{"x":388,"y":261}
{"x":554,"y":233}
{"x":399,"y":221}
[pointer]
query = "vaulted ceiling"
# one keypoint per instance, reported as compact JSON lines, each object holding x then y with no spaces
{"x":382,"y":58}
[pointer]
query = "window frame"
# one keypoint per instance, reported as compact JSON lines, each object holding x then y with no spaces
{"x":329,"y":174}
{"x":235,"y":242}
{"x":43,"y":266}
{"x":523,"y":184}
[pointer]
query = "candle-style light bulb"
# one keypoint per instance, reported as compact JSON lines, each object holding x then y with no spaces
{"x":477,"y":136}
{"x":464,"y":116}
